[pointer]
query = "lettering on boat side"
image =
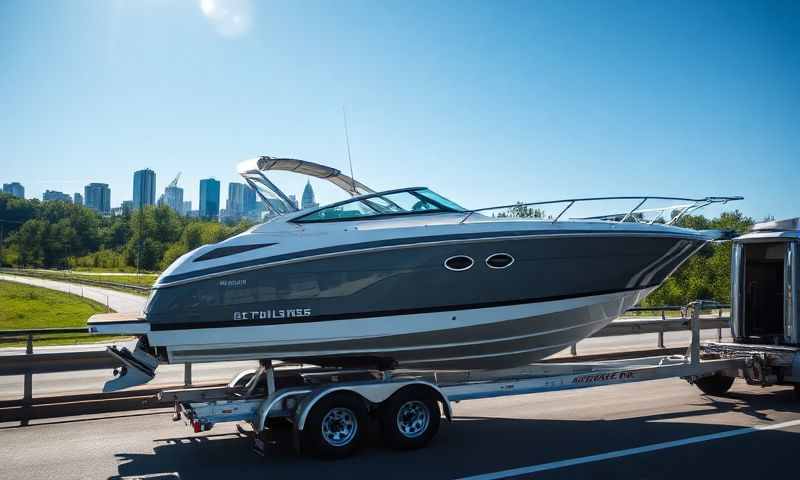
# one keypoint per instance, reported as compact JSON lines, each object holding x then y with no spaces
{"x":233,"y":283}
{"x":268,"y":314}
{"x":603,"y":377}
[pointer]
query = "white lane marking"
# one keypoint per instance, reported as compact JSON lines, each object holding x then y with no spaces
{"x":629,"y":451}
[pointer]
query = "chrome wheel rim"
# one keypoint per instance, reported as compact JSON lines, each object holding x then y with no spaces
{"x":339,"y":426}
{"x":413,"y":418}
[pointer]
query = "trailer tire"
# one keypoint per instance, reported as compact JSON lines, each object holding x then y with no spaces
{"x":410,"y":418}
{"x":717,"y":384}
{"x":335,"y":427}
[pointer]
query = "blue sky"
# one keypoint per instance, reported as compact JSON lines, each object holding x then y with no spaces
{"x":485,"y":102}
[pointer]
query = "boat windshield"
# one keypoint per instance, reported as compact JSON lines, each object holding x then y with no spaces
{"x":394,"y":202}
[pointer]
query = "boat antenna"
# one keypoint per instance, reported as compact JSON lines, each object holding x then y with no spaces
{"x":349,"y":158}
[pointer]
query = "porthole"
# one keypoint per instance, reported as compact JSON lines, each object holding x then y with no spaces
{"x":459,"y":263}
{"x":499,"y":260}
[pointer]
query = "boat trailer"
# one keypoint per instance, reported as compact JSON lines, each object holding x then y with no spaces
{"x":325,"y":412}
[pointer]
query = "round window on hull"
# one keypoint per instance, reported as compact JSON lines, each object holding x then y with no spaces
{"x":459,"y":263}
{"x":499,"y":261}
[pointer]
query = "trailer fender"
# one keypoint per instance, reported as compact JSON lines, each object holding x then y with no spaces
{"x":275,"y":399}
{"x":374,"y":393}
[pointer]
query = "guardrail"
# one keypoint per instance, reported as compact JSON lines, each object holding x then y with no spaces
{"x":625,"y":326}
{"x":31,"y":363}
{"x":73,"y":278}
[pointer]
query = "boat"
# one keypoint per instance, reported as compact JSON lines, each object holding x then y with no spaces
{"x":403,"y":279}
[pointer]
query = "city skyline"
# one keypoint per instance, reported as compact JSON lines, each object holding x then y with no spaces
{"x":241,"y":196}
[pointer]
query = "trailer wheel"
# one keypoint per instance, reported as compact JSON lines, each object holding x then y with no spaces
{"x":335,"y":426}
{"x":410,"y":418}
{"x":716,"y":384}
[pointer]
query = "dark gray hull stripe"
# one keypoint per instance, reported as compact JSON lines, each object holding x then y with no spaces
{"x":385,"y":313}
{"x":397,"y":243}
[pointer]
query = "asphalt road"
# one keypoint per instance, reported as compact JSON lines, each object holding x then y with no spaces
{"x":557,"y":433}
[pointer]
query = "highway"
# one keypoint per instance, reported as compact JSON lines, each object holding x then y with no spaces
{"x":528,"y":432}
{"x":646,"y":430}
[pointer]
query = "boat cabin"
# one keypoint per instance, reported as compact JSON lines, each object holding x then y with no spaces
{"x":764,"y":284}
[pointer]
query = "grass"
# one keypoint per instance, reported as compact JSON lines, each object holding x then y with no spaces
{"x":25,"y":307}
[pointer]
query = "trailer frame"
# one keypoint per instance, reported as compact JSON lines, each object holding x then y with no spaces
{"x":265,"y":397}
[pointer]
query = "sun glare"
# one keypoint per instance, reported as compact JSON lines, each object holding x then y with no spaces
{"x":230,"y":18}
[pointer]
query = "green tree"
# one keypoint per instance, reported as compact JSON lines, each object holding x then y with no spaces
{"x":28,"y":243}
{"x":521,"y":210}
{"x":706,"y":275}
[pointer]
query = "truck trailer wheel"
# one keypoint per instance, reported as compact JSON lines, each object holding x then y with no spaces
{"x":716,"y":384}
{"x":409,"y":418}
{"x":335,"y":426}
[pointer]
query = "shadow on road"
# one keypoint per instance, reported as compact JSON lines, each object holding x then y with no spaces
{"x":89,"y":418}
{"x":469,"y":445}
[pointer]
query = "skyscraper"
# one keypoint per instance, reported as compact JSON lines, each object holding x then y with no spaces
{"x":56,"y":196}
{"x":187,"y":207}
{"x":14,"y":188}
{"x":173,"y":198}
{"x":308,"y":197}
{"x":98,"y":197}
{"x":144,"y":188}
{"x":209,"y":198}
{"x":78,"y":198}
{"x":249,"y":202}
{"x":235,"y":203}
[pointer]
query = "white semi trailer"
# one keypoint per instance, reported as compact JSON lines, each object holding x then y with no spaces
{"x":765,"y":313}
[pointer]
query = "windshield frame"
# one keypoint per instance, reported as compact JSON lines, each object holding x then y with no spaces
{"x":364,"y":200}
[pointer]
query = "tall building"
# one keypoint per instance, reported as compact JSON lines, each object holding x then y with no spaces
{"x":250,"y":207}
{"x":187,"y":207}
{"x":98,"y":197}
{"x":14,"y":188}
{"x":293,"y":199}
{"x":235,"y":204}
{"x":173,"y":198}
{"x":56,"y":196}
{"x":77,"y":198}
{"x":209,"y":198}
{"x":126,"y":207}
{"x":144,"y":188}
{"x":308,"y":197}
